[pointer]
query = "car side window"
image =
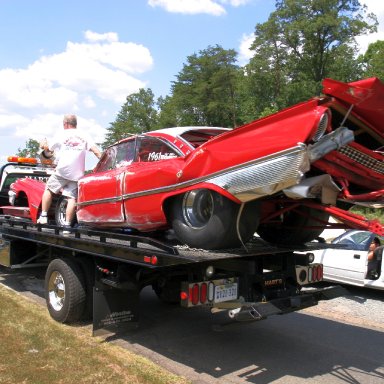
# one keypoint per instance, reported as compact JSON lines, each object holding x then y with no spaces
{"x":362,"y":239}
{"x":154,"y":149}
{"x":125,"y":153}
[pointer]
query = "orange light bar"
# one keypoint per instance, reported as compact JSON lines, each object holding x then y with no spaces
{"x":24,"y":160}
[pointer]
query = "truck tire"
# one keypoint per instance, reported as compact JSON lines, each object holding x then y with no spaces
{"x":205,"y":219}
{"x":293,"y":227}
{"x":65,"y":291}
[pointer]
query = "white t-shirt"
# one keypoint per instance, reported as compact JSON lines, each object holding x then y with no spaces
{"x":70,"y":146}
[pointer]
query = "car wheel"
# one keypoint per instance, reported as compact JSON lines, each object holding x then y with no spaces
{"x":60,"y":209}
{"x":295,"y":226}
{"x":65,"y":291}
{"x":205,"y":219}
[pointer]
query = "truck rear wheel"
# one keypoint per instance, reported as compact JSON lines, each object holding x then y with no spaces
{"x":65,"y":291}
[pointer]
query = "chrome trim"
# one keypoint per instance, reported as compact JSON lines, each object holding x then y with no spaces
{"x":247,"y":181}
{"x":265,"y":177}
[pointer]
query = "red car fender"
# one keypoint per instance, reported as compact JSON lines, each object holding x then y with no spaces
{"x":33,"y":190}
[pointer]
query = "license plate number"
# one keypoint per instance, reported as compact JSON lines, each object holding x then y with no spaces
{"x":225,"y":292}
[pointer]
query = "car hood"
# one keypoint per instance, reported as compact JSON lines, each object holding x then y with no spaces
{"x":366,"y":96}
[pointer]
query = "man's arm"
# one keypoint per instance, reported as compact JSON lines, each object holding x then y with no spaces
{"x":47,"y":153}
{"x":96,"y":151}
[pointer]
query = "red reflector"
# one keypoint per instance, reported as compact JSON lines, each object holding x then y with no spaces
{"x":154,"y":260}
{"x":195,"y":294}
{"x":203,"y":293}
{"x":147,"y":259}
{"x":183,"y":295}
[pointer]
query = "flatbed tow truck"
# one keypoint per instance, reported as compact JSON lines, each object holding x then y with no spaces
{"x":99,"y":274}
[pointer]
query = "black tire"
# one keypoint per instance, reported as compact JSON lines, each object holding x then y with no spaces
{"x":65,"y":291}
{"x":293,"y":227}
{"x":60,"y":208}
{"x":205,"y":219}
{"x":88,"y":268}
{"x":60,"y":211}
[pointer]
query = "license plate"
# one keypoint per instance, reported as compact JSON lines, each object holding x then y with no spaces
{"x":225,"y":292}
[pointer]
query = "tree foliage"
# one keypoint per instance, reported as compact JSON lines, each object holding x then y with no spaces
{"x":301,"y":43}
{"x":32,"y":149}
{"x":137,"y":115}
{"x":204,"y":93}
{"x":373,"y":60}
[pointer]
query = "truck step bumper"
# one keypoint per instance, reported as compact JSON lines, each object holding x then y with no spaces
{"x":260,"y":311}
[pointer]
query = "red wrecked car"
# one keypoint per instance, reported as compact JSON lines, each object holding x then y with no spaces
{"x":281,"y":176}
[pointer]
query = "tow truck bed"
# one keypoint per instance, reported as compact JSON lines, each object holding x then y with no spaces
{"x":103,"y":273}
{"x":132,"y":248}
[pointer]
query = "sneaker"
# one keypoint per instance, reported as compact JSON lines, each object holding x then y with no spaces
{"x":42,"y":220}
{"x":66,"y":230}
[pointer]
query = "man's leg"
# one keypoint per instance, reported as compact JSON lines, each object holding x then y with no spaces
{"x":46,"y":200}
{"x":71,"y":210}
{"x":45,"y":205}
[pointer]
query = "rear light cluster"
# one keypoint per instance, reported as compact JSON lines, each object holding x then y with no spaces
{"x":315,"y":273}
{"x":309,"y":274}
{"x":208,"y":292}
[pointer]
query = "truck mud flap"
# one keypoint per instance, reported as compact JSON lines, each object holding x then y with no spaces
{"x":115,"y":309}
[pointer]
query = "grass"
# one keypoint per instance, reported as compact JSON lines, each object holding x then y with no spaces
{"x":37,"y":350}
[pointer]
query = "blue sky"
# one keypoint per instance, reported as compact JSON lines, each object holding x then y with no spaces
{"x":85,"y":57}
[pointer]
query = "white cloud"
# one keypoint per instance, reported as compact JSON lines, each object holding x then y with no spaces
{"x":193,"y":7}
{"x":245,"y":53}
{"x":376,"y":7}
{"x":96,"y":37}
{"x":100,"y":71}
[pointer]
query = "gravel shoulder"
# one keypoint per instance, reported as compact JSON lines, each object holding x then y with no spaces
{"x":362,"y":307}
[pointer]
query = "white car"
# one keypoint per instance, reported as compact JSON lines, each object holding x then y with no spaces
{"x":350,"y":265}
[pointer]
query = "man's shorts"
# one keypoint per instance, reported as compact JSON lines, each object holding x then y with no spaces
{"x":57,"y":184}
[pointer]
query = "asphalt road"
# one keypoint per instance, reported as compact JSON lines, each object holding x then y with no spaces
{"x":339,"y":341}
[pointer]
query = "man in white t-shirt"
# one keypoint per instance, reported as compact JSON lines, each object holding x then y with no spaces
{"x":70,"y":148}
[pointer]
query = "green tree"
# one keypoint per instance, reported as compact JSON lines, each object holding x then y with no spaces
{"x":138,"y":114}
{"x":205,"y":90}
{"x":302,"y":42}
{"x":167,"y":112}
{"x":32,"y":149}
{"x":373,"y":60}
